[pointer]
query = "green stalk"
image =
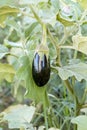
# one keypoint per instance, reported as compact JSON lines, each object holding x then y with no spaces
{"x":67,"y":83}
{"x":45,"y":111}
{"x":22,"y":128}
{"x":35,"y":15}
{"x":69,"y":87}
{"x":11,"y":54}
{"x":46,"y":106}
{"x":44,"y":36}
{"x":55,"y":44}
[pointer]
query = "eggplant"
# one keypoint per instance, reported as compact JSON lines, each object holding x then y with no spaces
{"x":41,"y":69}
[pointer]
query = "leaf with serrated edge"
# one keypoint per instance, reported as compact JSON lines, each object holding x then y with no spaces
{"x":3,"y":51}
{"x":64,"y":21}
{"x":80,"y":43}
{"x":7,"y":72}
{"x":18,"y":116}
{"x":78,"y":70}
{"x":6,"y":11}
{"x":84,"y":110}
{"x":81,"y":122}
{"x":83,"y":3}
{"x":31,"y":1}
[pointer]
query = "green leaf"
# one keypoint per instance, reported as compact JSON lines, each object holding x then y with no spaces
{"x":3,"y":51}
{"x":53,"y":128}
{"x":84,"y":110}
{"x":12,"y":44}
{"x":9,"y":2}
{"x":81,"y":121}
{"x":43,"y":127}
{"x":79,"y":89}
{"x":18,"y":116}
{"x":15,"y":25}
{"x":31,"y":1}
{"x":25,"y":73}
{"x":30,"y":29}
{"x":78,"y":70}
{"x":55,"y":4}
{"x":83,"y":3}
{"x":7,"y":72}
{"x":64,"y":21}
{"x":15,"y":53}
{"x":80,"y":43}
{"x":6,"y":11}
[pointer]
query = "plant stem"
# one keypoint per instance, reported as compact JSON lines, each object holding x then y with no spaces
{"x":36,"y":16}
{"x":75,"y":54}
{"x":11,"y":54}
{"x":44,"y":36}
{"x":45,"y":115}
{"x":22,"y":128}
{"x":69,"y":87}
{"x":83,"y":16}
{"x":45,"y":107}
{"x":55,"y":44}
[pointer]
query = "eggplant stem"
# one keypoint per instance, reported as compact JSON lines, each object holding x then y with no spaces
{"x":44,"y":36}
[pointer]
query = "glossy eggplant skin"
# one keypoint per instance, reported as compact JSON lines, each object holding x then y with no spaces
{"x":41,"y":69}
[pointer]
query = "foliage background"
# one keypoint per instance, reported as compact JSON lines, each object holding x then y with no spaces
{"x":20,"y":33}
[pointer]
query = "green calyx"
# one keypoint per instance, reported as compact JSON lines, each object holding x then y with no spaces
{"x":42,"y":49}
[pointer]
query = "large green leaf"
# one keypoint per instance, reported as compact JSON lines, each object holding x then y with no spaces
{"x":56,"y":5}
{"x":7,"y":72}
{"x":84,"y":110}
{"x":53,"y":128}
{"x":25,"y":73}
{"x":78,"y":70}
{"x":3,"y":51}
{"x":31,"y":1}
{"x":79,"y":89}
{"x":43,"y":127}
{"x":64,"y":21}
{"x":9,"y":2}
{"x":12,"y":44}
{"x":83,"y":3}
{"x":6,"y":11}
{"x":30,"y":28}
{"x":80,"y":43}
{"x":18,"y":116}
{"x":12,"y":23}
{"x":81,"y":122}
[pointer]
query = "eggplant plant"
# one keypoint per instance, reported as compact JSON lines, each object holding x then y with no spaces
{"x":44,"y":44}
